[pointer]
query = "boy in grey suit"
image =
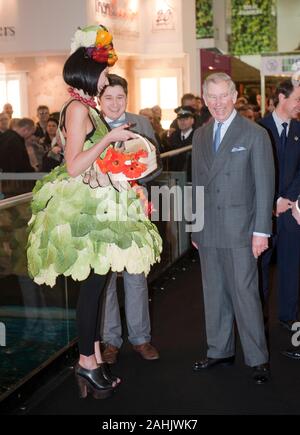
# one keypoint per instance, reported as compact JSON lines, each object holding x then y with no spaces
{"x":233,"y":160}
{"x":113,"y":102}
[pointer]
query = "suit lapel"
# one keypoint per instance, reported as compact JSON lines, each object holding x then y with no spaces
{"x":272,"y":126}
{"x":208,"y":154}
{"x":231,"y":137}
{"x":293,"y":136}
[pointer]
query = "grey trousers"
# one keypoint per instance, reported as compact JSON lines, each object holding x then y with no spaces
{"x":136,"y":310}
{"x":230,"y":288}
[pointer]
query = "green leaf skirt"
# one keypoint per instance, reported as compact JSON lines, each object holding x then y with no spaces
{"x":75,"y":228}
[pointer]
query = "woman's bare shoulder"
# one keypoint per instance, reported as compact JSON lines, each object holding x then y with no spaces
{"x":75,"y":106}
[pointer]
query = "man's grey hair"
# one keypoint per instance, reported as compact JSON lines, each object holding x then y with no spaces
{"x":25,"y":122}
{"x":217,"y":78}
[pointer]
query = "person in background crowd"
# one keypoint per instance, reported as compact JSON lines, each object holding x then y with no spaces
{"x":187,"y":100}
{"x":55,"y":115}
{"x":182,"y":137}
{"x":7,"y":108}
{"x":156,"y":110}
{"x":232,"y":160}
{"x":270,"y":106}
{"x":39,"y":147}
{"x":4,"y":122}
{"x":13,"y":153}
{"x":43,"y":115}
{"x":52,"y":147}
{"x":199,"y":105}
{"x":158,"y":128}
{"x":13,"y":122}
{"x":113,"y":102}
{"x":247,"y":112}
{"x":148,"y":113}
{"x":241,"y":101}
{"x":284,"y":131}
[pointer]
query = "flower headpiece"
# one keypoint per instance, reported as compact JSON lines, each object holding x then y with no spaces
{"x":98,"y":44}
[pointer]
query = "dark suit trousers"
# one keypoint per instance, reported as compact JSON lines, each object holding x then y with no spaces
{"x":230,"y":288}
{"x":287,"y":245}
{"x":288,"y":259}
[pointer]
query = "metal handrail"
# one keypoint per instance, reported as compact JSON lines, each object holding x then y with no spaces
{"x":175,"y":152}
{"x":15,"y":200}
{"x":25,"y":197}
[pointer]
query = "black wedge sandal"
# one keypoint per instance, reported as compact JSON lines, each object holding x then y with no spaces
{"x":93,"y":382}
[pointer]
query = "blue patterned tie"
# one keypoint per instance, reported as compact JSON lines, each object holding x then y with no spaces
{"x":117,"y":122}
{"x":217,"y":138}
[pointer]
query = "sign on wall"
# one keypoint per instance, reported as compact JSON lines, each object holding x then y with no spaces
{"x":164,"y":15}
{"x":279,"y":64}
{"x":7,"y":32}
{"x":121,"y":16}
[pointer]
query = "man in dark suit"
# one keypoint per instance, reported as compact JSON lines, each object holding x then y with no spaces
{"x":180,"y":138}
{"x":292,"y":352}
{"x":284,"y":131}
{"x":232,"y":159}
{"x":113,"y":102}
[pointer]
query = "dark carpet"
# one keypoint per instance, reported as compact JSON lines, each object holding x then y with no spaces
{"x":169,"y":386}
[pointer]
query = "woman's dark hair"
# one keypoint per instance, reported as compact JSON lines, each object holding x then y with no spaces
{"x":53,"y":120}
{"x":82,"y":72}
{"x":286,"y":88}
{"x":115,"y":80}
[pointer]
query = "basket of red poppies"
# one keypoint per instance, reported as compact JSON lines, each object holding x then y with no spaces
{"x":129,"y":160}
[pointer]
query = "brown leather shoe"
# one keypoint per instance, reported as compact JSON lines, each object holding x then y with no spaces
{"x":110,"y":353}
{"x":146,"y":350}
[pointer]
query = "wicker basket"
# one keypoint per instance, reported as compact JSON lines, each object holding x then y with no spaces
{"x":132,"y":146}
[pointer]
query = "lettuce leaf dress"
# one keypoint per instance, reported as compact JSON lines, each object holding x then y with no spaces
{"x":75,"y":228}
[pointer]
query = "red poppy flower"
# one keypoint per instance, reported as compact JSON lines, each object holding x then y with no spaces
{"x":140,"y":154}
{"x":113,"y":162}
{"x":134,"y":170}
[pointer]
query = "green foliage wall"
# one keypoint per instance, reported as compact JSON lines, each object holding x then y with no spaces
{"x":253,"y":26}
{"x":204,"y":19}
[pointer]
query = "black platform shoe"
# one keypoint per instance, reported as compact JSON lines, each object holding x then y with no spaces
{"x":93,"y":382}
{"x":107,"y":374}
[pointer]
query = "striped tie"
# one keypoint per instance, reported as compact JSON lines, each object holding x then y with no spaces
{"x":117,"y":122}
{"x":217,"y":138}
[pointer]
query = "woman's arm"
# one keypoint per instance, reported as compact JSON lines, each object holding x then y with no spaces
{"x":77,"y":127}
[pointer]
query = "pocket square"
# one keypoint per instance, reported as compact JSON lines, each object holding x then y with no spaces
{"x":237,"y":149}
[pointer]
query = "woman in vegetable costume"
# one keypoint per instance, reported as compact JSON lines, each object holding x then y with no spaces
{"x":83,"y":225}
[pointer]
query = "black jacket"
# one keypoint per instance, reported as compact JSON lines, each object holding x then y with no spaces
{"x":13,"y":153}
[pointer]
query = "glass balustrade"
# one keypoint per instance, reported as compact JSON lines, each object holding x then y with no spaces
{"x":37,"y":322}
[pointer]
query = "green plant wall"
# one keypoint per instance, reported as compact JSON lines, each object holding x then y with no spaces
{"x":204,"y":19}
{"x":253,"y":27}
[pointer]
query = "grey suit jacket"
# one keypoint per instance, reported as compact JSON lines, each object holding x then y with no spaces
{"x":238,"y":184}
{"x":143,"y":126}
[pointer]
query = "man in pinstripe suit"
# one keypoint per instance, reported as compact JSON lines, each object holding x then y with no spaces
{"x":232,"y":158}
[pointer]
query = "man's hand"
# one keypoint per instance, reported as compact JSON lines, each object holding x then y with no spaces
{"x":259,"y":245}
{"x":295,"y":212}
{"x":283,"y":204}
